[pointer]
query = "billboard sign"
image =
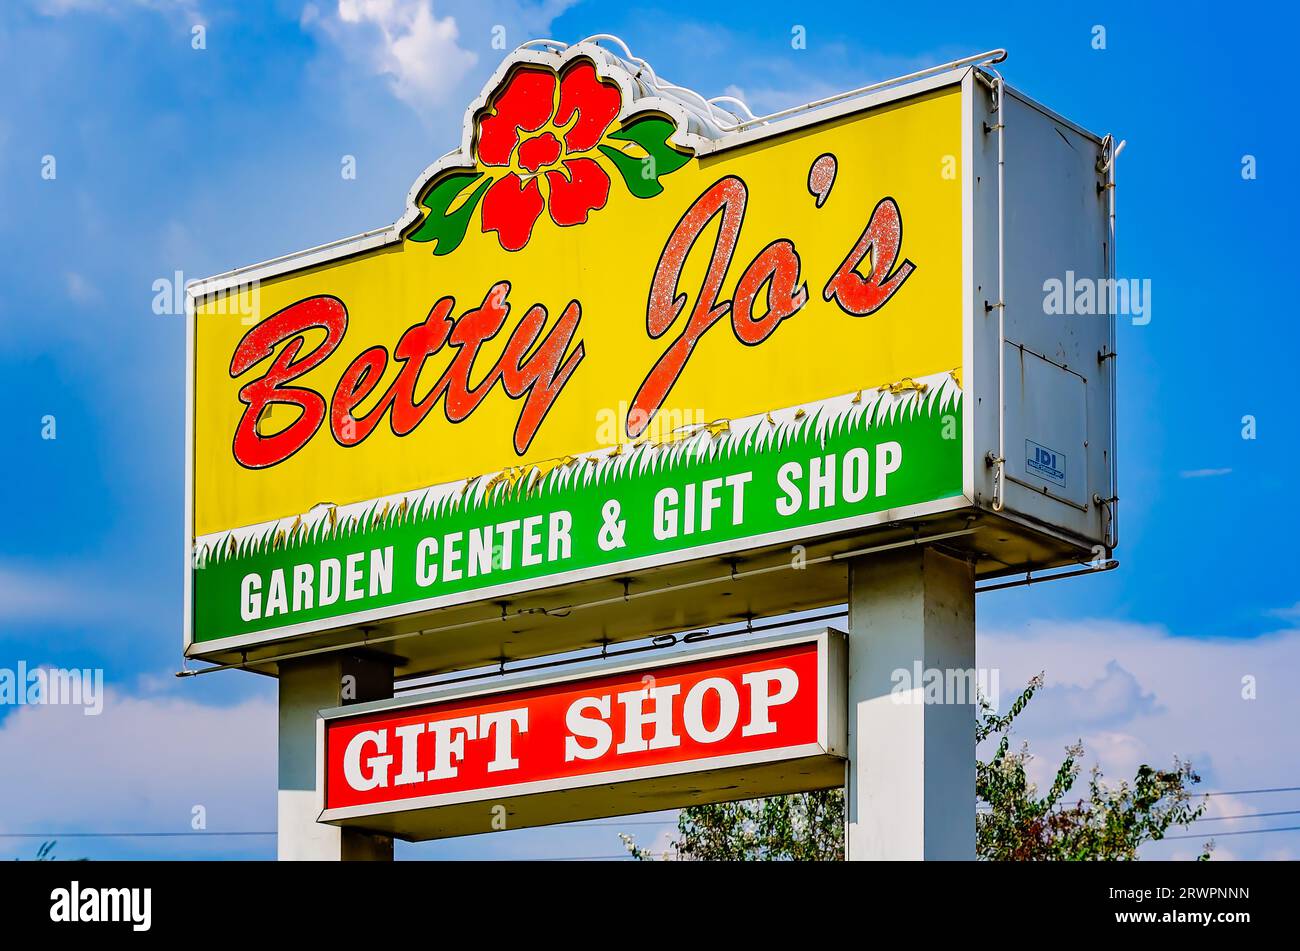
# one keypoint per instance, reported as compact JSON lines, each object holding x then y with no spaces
{"x":604,"y":337}
{"x":612,"y":739}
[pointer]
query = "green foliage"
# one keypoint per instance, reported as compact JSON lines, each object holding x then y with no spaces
{"x":808,"y":827}
{"x":442,"y":225}
{"x":650,"y":133}
{"x":1013,"y":822}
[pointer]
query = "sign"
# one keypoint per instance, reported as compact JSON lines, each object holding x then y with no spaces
{"x":603,"y":338}
{"x":687,"y":728}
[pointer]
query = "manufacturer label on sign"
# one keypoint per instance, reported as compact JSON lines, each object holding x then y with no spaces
{"x":1045,"y":463}
{"x":641,"y":735}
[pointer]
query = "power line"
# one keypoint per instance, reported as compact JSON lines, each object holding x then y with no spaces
{"x":1249,"y":815}
{"x":85,"y":835}
{"x":117,"y":835}
{"x":135,"y":835}
{"x":606,"y":824}
{"x":580,"y":858}
{"x":615,"y":823}
{"x":1222,"y":792}
{"x":1242,"y":832}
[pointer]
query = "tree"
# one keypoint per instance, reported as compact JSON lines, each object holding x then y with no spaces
{"x":1012,"y":821}
{"x":808,"y":827}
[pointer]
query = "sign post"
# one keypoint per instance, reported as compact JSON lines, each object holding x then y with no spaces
{"x":632,"y":363}
{"x":911,"y":770}
{"x":308,"y":685}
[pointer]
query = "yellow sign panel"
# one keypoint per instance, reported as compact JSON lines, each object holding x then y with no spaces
{"x":588,"y":269}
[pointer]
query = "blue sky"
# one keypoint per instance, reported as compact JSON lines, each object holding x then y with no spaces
{"x":175,"y":159}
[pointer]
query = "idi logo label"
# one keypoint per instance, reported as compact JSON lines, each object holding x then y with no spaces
{"x":1045,"y":463}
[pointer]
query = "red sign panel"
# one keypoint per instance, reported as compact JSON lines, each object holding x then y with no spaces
{"x":722,"y":710}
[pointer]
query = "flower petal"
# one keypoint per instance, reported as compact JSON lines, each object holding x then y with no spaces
{"x":510,"y":208}
{"x":586,"y":189}
{"x":525,"y":102}
{"x":596,"y":103}
{"x":540,"y":150}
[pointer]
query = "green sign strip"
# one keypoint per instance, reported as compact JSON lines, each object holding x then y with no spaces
{"x":647,"y":502}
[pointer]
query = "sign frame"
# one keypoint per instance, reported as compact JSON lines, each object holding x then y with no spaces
{"x":1005,"y":528}
{"x":558,"y":800}
{"x":961,"y":77}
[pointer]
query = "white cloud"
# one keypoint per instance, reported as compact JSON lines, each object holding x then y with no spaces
{"x":433,"y":53}
{"x":55,"y":595}
{"x":1134,"y":694}
{"x":1116,"y":697}
{"x":404,"y":40}
{"x":148,"y":759}
{"x":769,"y":79}
{"x":143,"y":764}
{"x":1203,"y":473}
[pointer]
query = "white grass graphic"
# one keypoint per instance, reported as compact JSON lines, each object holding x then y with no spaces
{"x":815,"y":424}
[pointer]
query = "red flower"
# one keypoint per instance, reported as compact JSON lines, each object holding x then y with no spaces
{"x":541,"y":126}
{"x":544,"y":141}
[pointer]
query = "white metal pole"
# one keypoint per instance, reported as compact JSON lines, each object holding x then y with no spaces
{"x":911,"y":772}
{"x":308,"y":686}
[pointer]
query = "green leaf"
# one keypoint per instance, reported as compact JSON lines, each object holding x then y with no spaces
{"x":448,"y":229}
{"x":642,"y":175}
